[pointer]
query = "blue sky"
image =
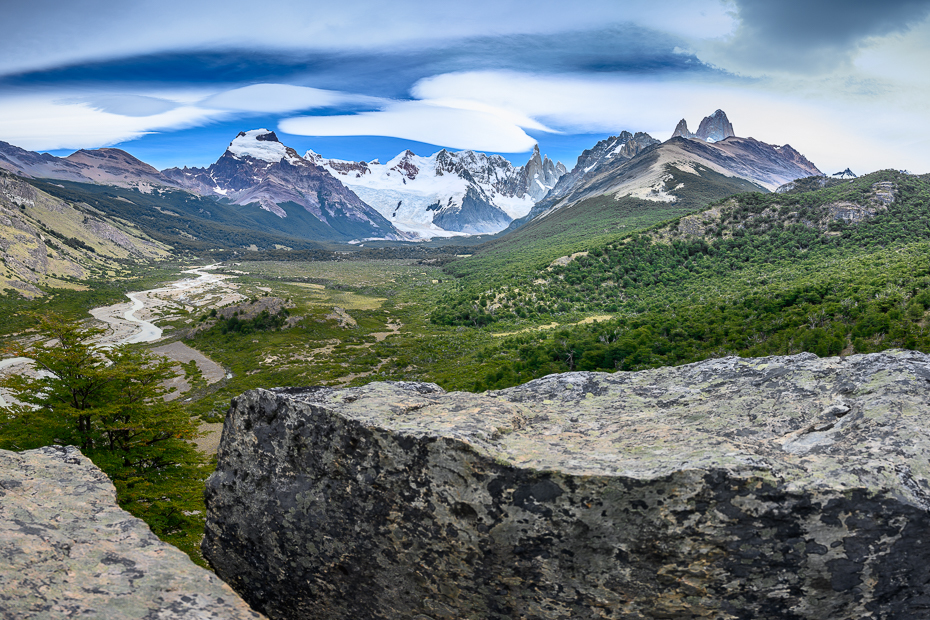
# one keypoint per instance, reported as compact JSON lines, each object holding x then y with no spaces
{"x":173,"y":82}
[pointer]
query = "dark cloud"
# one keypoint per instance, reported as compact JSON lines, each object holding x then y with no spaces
{"x":812,"y":35}
{"x":391,"y":72}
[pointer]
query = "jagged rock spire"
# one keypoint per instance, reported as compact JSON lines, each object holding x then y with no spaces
{"x":681,"y":130}
{"x":715,"y":127}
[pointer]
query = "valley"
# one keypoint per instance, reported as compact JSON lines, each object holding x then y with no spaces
{"x":645,"y":255}
{"x":465,"y":311}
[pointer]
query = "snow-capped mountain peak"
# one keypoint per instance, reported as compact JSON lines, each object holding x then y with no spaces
{"x":713,"y":128}
{"x":845,"y":174}
{"x":261,"y":144}
{"x":258,"y":169}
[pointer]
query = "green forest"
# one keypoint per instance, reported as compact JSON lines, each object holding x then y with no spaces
{"x":841,"y":269}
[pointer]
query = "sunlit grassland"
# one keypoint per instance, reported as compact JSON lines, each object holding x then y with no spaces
{"x":391,"y":338}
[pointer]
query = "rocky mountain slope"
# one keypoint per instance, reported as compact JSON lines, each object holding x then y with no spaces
{"x":257,"y":168}
{"x":448,"y":193}
{"x":109,"y":166}
{"x":48,"y":241}
{"x":770,"y":488}
{"x":67,"y":550}
{"x":648,"y":173}
{"x":613,"y":150}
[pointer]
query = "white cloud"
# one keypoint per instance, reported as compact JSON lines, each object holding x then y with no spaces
{"x":56,"y":119}
{"x":866,"y":134}
{"x":278,"y":98}
{"x":37,"y":37}
{"x":46,"y":122}
{"x":454,"y":127}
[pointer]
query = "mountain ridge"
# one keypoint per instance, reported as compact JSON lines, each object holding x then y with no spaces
{"x":258,"y":168}
{"x":448,"y":192}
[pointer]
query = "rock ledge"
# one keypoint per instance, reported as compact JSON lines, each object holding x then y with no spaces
{"x":781,"y":487}
{"x":68,"y":551}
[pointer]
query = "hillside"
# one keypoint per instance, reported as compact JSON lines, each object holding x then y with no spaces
{"x":194,"y":223}
{"x":836,"y":270}
{"x":110,"y":166}
{"x":50,"y":242}
{"x":599,"y":219}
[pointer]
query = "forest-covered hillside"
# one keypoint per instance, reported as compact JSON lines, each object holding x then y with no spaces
{"x":840,"y":269}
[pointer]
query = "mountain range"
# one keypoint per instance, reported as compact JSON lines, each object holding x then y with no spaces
{"x":646,"y":169}
{"x":447,"y":193}
{"x":412,"y":198}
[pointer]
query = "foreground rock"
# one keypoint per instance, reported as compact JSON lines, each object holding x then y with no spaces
{"x":67,"y":550}
{"x":782,"y":487}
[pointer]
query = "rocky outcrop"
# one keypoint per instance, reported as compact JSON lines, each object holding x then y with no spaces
{"x":68,"y":551}
{"x":681,"y":130}
{"x":715,"y":127}
{"x":781,"y":487}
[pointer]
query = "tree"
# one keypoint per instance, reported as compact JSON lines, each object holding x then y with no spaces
{"x":111,"y":404}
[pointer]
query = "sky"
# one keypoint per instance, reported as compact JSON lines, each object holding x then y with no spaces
{"x":845,"y":83}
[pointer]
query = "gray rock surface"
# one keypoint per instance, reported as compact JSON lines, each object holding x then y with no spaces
{"x":68,"y":551}
{"x":715,"y":127}
{"x":782,"y":487}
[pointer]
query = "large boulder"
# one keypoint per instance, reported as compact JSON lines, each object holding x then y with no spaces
{"x":781,"y":487}
{"x":68,"y":551}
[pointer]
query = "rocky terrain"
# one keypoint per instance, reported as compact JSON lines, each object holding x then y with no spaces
{"x":109,"y":166}
{"x":781,"y":487}
{"x":448,"y":192}
{"x":67,"y":550}
{"x":613,"y":150}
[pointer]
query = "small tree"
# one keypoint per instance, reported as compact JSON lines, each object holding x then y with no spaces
{"x":111,"y":404}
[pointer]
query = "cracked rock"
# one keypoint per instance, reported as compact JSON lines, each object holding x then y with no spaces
{"x":68,"y":551}
{"x":732,"y":488}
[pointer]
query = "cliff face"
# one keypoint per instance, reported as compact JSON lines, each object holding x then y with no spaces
{"x":783,"y":487}
{"x":68,"y":551}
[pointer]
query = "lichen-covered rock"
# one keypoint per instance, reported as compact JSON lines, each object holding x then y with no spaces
{"x":781,"y":487}
{"x":68,"y":551}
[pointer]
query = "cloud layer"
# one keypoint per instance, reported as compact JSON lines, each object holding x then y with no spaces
{"x":844,"y":82}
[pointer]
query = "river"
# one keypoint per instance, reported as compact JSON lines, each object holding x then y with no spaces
{"x":125,"y":327}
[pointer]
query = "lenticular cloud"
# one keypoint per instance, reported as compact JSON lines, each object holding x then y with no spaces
{"x":424,"y":122}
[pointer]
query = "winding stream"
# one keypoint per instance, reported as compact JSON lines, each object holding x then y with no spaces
{"x":124,"y":326}
{"x":140,"y":330}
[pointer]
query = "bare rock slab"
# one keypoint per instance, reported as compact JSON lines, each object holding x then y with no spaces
{"x":68,"y":551}
{"x":781,"y":487}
